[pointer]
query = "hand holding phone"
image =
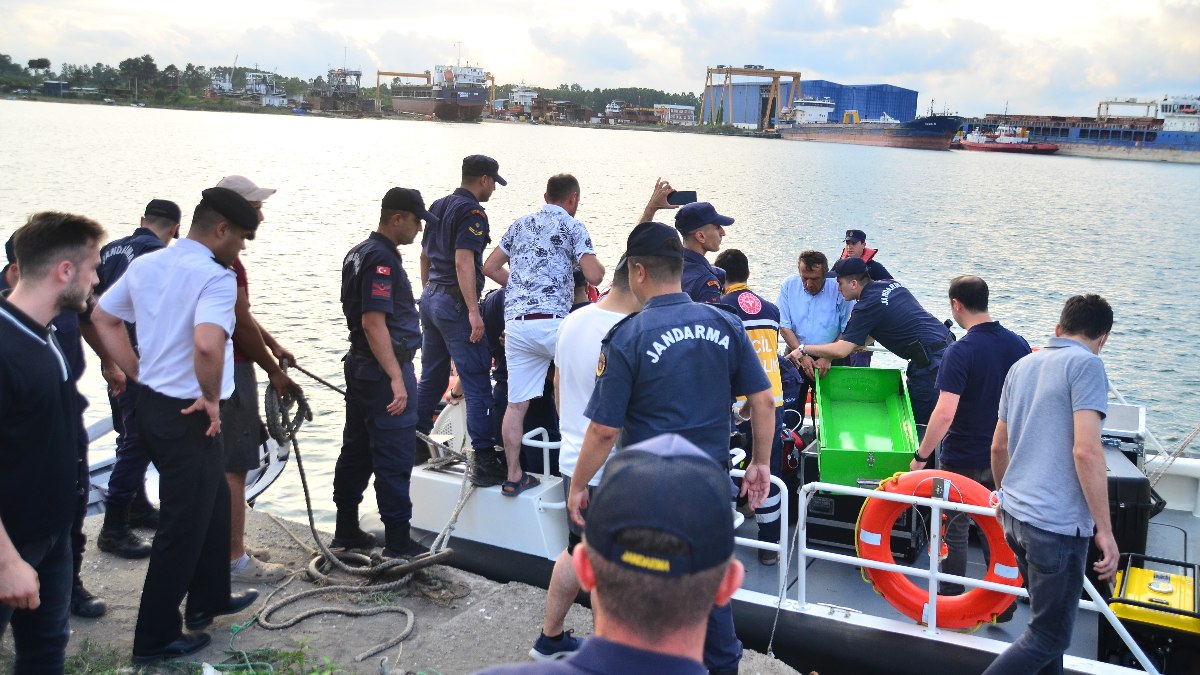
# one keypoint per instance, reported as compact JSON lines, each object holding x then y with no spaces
{"x":681,"y":197}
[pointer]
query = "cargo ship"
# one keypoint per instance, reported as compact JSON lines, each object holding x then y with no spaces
{"x":803,"y":123}
{"x":1168,"y":132}
{"x":457,"y":94}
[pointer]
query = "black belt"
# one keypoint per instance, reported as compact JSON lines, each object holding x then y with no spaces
{"x":535,"y":316}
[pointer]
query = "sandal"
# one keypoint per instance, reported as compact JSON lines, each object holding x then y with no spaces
{"x":510,"y":489}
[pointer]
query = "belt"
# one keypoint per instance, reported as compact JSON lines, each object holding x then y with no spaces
{"x":536,"y":316}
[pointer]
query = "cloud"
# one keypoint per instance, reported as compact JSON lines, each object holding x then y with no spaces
{"x":597,"y":52}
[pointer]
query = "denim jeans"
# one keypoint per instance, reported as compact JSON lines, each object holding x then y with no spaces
{"x":446,"y":333}
{"x":1052,"y":565}
{"x":41,"y":635}
{"x":958,"y":526}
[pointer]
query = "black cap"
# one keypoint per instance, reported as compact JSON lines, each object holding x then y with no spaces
{"x":233,"y":206}
{"x":849,"y":267}
{"x":406,"y":199}
{"x":162,"y":208}
{"x":643,"y":487}
{"x":653,"y":239}
{"x":855,"y":236}
{"x":10,"y":252}
{"x":482,"y":165}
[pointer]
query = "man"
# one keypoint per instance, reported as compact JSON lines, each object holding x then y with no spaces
{"x":575,"y":357}
{"x":702,"y":229}
{"x":182,"y":301}
{"x":674,"y":368}
{"x":452,"y":279}
{"x":126,"y":504}
{"x":856,"y":247}
{"x":1048,"y":459}
{"x":810,"y":310}
{"x":242,"y":430}
{"x":39,"y":427}
{"x":968,"y":384}
{"x":541,"y":251}
{"x":760,"y":319}
{"x":888,"y":312}
{"x":654,"y":570}
{"x":380,"y":435}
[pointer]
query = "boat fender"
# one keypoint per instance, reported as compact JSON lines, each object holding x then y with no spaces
{"x":873,"y":542}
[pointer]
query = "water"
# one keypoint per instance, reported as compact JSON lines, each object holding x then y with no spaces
{"x":1038,"y":229}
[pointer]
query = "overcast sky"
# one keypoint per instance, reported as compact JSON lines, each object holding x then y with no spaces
{"x":1047,"y":56}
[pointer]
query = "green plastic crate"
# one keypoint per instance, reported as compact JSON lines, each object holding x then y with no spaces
{"x":865,"y":426}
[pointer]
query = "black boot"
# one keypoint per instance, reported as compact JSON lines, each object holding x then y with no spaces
{"x":116,"y":537}
{"x":347,"y":534}
{"x":143,"y":514}
{"x":399,"y":542}
{"x":84,"y":604}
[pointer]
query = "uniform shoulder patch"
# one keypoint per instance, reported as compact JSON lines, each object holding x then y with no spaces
{"x":612,"y":331}
{"x":713,"y":282}
{"x":601,"y":364}
{"x":383,"y":270}
{"x":749,"y":302}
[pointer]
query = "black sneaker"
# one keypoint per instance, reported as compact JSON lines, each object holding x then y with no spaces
{"x":488,"y":471}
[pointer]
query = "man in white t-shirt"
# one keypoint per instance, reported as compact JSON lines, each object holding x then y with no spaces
{"x":575,"y":358}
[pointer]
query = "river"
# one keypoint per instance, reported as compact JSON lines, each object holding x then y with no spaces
{"x":1038,"y":229}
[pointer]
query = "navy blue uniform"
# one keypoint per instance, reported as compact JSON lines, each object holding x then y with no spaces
{"x":888,"y":312}
{"x":701,"y":281}
{"x":461,"y":224}
{"x":598,"y":655}
{"x":374,"y":441}
{"x":675,"y":367}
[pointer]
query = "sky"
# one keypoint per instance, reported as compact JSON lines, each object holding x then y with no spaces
{"x":965,"y":56}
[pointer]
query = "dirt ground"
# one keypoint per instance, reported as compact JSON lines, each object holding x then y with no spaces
{"x":491,"y":623}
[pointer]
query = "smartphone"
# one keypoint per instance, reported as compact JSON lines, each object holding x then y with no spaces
{"x":681,"y":197}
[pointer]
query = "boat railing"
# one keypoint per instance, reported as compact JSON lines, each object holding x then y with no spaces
{"x":932,"y":574}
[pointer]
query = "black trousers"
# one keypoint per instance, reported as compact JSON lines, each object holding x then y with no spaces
{"x":191,"y":548}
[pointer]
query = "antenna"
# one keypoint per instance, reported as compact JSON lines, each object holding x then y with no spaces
{"x":458,"y":61}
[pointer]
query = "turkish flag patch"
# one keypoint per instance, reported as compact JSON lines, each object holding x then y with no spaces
{"x":383,"y":270}
{"x":381,"y":289}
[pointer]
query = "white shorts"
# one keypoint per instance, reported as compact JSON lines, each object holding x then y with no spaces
{"x":529,"y":349}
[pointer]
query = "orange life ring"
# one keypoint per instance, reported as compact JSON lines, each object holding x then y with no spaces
{"x":873,"y":542}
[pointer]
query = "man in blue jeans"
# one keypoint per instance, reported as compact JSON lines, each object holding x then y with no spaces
{"x":1048,"y":459}
{"x":452,"y":327}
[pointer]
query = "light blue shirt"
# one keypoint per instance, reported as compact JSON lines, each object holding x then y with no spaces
{"x":815,"y":319}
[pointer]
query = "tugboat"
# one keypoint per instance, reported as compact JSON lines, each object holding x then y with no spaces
{"x":1005,"y":139}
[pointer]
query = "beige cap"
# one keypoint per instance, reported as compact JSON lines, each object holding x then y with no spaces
{"x":246,"y":188}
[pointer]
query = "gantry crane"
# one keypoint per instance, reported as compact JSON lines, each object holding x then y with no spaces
{"x":706,"y":102}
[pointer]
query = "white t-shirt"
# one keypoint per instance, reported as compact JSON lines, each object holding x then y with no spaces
{"x":575,"y":356}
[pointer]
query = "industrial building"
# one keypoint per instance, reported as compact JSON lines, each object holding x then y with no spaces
{"x":749,"y":101}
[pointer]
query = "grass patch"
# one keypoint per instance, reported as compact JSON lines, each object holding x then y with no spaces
{"x":298,"y":661}
{"x":94,"y":659}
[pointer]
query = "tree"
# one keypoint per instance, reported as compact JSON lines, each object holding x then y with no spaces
{"x":39,"y":64}
{"x":170,"y":76}
{"x":143,"y":68}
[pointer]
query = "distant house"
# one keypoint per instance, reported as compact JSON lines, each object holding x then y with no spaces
{"x":55,"y":87}
{"x":683,"y":115}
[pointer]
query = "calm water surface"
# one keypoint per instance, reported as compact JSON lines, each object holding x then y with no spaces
{"x":1038,"y":229}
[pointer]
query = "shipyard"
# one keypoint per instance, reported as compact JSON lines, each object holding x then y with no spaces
{"x":465,"y":393}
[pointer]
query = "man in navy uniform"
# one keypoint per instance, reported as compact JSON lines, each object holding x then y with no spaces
{"x":888,"y":312}
{"x":702,"y":229}
{"x":381,"y":420}
{"x":126,"y":505}
{"x":452,"y":277}
{"x":675,"y":367}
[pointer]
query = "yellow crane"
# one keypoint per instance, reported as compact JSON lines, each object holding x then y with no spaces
{"x":708,"y":105}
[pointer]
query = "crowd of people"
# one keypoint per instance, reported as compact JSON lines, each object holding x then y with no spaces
{"x":645,"y":385}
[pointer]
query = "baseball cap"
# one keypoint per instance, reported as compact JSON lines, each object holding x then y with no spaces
{"x":698,"y":214}
{"x":645,"y":486}
{"x":653,"y":239}
{"x":849,"y":267}
{"x":10,"y":252}
{"x":855,"y":236}
{"x":406,"y":199}
{"x":236,"y":208}
{"x":246,"y":188}
{"x":482,"y":165}
{"x":162,"y":208}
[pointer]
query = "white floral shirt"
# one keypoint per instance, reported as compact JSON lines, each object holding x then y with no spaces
{"x":543,"y":250}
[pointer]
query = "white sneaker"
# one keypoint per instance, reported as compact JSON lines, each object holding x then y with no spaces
{"x":257,"y":571}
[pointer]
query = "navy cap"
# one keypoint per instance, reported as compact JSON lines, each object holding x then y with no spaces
{"x":849,"y":267}
{"x":698,"y":214}
{"x":10,"y":252}
{"x":855,"y":236}
{"x":482,"y":165}
{"x":653,"y":239}
{"x":162,"y":208}
{"x":406,"y":199}
{"x":233,"y":206}
{"x":643,"y":487}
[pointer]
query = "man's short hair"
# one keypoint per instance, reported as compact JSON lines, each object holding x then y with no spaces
{"x":560,"y":187}
{"x":205,"y":219}
{"x":49,"y":237}
{"x":971,"y":291}
{"x":1088,"y":315}
{"x":621,"y":275}
{"x":160,"y":223}
{"x":733,"y":261}
{"x":657,"y":605}
{"x":660,"y":268}
{"x":813,"y":259}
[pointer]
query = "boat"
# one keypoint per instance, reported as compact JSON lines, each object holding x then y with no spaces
{"x":1005,"y":139}
{"x":814,"y":610}
{"x":457,"y":94}
{"x":1169,"y":131}
{"x":805,"y":122}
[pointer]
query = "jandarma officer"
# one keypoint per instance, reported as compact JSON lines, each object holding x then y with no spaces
{"x":702,"y":229}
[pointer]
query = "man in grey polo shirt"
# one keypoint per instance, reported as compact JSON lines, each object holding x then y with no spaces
{"x":1048,"y":460}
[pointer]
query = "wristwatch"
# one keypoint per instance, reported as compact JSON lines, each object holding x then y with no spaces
{"x":917,"y":456}
{"x":801,"y":349}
